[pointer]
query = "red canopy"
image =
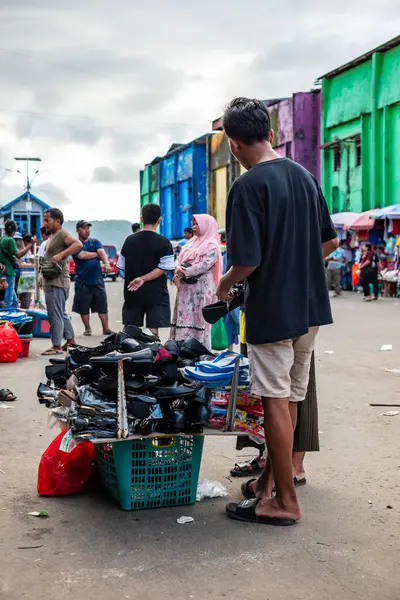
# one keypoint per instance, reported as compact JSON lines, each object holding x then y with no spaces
{"x":363,"y":222}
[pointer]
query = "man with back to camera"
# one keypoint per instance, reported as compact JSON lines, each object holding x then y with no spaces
{"x":56,"y":284}
{"x":90,"y":292}
{"x":145,"y":258}
{"x":276,"y":204}
{"x":135,"y":227}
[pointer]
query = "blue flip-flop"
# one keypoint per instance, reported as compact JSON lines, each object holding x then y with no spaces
{"x":224,"y":363}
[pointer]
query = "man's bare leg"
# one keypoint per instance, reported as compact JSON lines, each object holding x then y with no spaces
{"x":265,"y":484}
{"x":86,"y":323}
{"x":278,"y":426}
{"x":104,"y":323}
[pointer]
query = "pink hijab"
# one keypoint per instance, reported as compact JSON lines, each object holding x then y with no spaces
{"x":206,"y":242}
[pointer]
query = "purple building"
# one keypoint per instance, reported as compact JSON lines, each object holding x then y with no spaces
{"x":296,"y":122}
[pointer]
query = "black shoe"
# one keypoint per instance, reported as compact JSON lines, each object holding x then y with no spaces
{"x":56,"y":374}
{"x":57,"y":361}
{"x":134,"y":363}
{"x":172,"y":392}
{"x":86,"y":374}
{"x":193,"y":349}
{"x":140,"y":334}
{"x":128,"y":345}
{"x":197,"y":414}
{"x":173,"y":347}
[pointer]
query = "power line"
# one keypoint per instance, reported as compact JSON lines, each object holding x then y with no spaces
{"x":88,"y":118}
{"x":54,"y":62}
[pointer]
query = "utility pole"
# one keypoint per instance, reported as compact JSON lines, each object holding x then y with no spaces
{"x":29,"y":208}
{"x":28,"y":181}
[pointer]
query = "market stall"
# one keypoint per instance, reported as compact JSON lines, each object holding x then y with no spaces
{"x":146,"y":408}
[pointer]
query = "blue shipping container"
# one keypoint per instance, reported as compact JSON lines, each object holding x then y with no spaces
{"x":183,"y":182}
{"x":167,"y":195}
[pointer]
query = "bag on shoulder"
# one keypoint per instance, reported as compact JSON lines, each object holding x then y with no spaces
{"x":50,"y":270}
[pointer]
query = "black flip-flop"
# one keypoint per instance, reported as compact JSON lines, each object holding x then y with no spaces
{"x":6,"y":395}
{"x":246,"y":511}
{"x":245,"y":469}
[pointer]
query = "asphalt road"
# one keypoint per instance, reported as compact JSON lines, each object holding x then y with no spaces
{"x":345,"y":547}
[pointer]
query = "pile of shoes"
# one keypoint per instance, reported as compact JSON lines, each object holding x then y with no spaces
{"x":159,"y":397}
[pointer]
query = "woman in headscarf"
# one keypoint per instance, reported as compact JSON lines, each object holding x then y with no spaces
{"x":197,"y":273}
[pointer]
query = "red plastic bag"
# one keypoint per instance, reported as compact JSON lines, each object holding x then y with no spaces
{"x":10,"y":344}
{"x":64,"y":473}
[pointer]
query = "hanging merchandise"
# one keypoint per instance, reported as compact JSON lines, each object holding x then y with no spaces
{"x":219,"y":337}
{"x":26,"y":281}
{"x":10,"y":344}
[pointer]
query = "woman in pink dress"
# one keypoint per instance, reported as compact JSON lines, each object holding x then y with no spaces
{"x":197,"y":273}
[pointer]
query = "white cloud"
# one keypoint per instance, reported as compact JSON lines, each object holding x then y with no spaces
{"x":98,"y":88}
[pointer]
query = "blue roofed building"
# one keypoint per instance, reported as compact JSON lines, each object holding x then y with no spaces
{"x":27,"y":211}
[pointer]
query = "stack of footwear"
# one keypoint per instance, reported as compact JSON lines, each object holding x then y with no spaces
{"x":157,"y":396}
{"x":219,"y":371}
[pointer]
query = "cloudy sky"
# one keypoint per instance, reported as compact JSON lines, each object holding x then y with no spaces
{"x":96,"y":88}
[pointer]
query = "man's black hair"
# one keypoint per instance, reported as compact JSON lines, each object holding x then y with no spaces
{"x":43,"y":230}
{"x":150,"y":214}
{"x":56,"y":214}
{"x":10,"y":227}
{"x":368,"y":246}
{"x":135,"y":227}
{"x":188,"y":230}
{"x":247,"y":120}
{"x":27,"y":238}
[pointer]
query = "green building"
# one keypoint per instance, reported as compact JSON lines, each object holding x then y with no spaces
{"x":149,"y":187}
{"x":360,"y":131}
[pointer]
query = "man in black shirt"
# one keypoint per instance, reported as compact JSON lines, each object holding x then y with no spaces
{"x":145,"y":258}
{"x":276,"y":221}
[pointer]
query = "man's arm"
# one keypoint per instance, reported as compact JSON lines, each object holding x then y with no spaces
{"x":139,"y":281}
{"x":101,"y":253}
{"x":166,"y":263}
{"x":232,"y":276}
{"x":245,"y":240}
{"x":84,"y":255}
{"x":329,"y":247}
{"x":73,"y":247}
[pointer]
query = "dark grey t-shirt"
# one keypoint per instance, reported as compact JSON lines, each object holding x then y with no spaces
{"x":276,"y":219}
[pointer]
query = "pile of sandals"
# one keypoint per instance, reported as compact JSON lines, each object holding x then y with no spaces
{"x":161,"y":395}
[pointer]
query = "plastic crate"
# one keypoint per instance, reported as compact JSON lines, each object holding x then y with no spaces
{"x":26,"y":342}
{"x":152,"y":472}
{"x":41,"y":325}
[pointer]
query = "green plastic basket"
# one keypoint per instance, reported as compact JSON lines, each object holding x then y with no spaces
{"x":152,"y":472}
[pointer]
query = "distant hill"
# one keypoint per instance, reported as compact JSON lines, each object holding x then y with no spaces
{"x":112,"y":231}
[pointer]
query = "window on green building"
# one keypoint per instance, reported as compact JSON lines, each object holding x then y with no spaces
{"x":336,"y":158}
{"x":335,"y":199}
{"x":358,"y":151}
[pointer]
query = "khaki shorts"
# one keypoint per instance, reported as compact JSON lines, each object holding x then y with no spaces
{"x":282,"y":369}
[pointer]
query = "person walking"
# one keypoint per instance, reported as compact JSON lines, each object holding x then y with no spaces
{"x":369,"y":269}
{"x":197,"y":273}
{"x":9,"y":255}
{"x":135,"y":227}
{"x":56,"y":281}
{"x":276,"y":204}
{"x":336,"y":261}
{"x":90,"y":292}
{"x":145,"y":258}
